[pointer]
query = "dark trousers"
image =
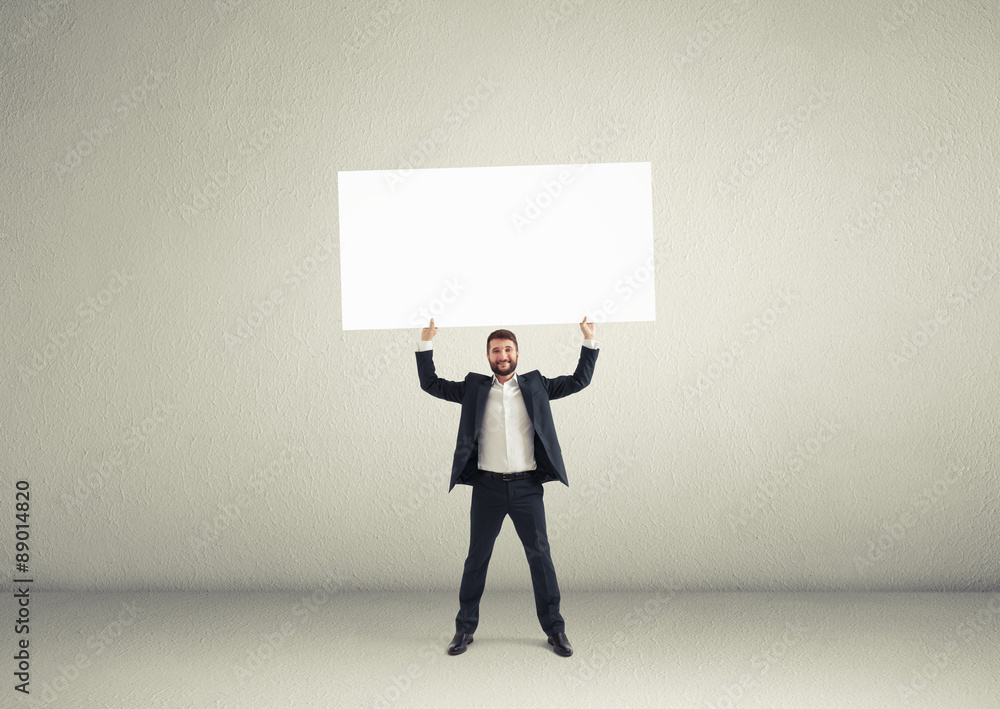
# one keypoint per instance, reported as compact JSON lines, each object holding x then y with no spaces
{"x":492,"y":501}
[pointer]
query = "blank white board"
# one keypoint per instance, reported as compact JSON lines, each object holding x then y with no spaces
{"x":496,"y":246}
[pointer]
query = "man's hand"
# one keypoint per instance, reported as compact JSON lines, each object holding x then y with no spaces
{"x":428,"y":333}
{"x":588,"y":328}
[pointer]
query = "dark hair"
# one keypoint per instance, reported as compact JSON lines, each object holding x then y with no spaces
{"x":500,"y":335}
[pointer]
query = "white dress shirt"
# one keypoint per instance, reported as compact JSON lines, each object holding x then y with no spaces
{"x":506,"y":437}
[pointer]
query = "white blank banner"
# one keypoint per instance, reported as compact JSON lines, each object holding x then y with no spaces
{"x":496,"y":246}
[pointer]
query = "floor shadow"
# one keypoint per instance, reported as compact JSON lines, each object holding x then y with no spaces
{"x":507,"y":640}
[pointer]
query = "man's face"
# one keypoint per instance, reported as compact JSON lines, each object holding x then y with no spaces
{"x":503,"y":357}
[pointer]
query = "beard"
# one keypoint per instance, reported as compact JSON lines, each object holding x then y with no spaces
{"x":502,"y":371}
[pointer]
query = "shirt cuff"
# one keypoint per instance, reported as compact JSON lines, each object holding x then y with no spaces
{"x":592,"y":344}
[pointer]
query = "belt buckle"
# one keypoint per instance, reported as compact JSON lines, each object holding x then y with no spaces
{"x":506,"y":479}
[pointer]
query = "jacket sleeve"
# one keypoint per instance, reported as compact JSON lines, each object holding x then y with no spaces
{"x":434,"y":385}
{"x":559,"y":387}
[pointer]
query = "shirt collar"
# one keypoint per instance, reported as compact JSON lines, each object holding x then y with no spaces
{"x":512,"y":379}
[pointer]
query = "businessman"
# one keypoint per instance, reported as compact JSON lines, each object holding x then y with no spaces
{"x":506,"y":449}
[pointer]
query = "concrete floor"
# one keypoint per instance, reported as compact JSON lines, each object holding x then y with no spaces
{"x":687,"y":650}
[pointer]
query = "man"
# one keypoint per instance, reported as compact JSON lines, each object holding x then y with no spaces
{"x":506,"y":449}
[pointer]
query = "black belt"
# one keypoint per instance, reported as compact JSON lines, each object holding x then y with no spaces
{"x":507,"y":477}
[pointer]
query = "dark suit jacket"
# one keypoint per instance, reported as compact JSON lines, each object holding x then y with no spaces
{"x":536,"y":390}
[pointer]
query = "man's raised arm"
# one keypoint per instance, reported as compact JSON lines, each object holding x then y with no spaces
{"x":558,"y":387}
{"x":429,"y":381}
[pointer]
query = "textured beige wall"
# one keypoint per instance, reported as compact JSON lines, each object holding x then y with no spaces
{"x":816,"y":406}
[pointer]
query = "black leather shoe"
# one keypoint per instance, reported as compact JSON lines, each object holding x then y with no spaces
{"x":459,"y":643}
{"x":560,"y":643}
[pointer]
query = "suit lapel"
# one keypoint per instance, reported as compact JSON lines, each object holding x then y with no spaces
{"x":481,"y":401}
{"x":526,"y":395}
